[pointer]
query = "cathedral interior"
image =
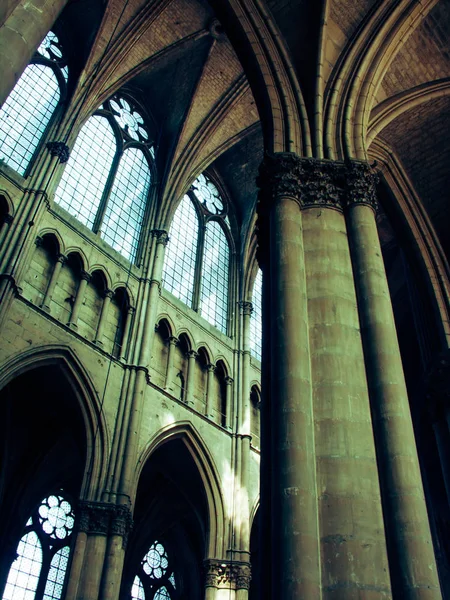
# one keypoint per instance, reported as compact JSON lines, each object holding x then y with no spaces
{"x":225,"y":299}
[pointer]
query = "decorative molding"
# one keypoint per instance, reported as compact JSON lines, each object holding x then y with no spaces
{"x":247,"y":308}
{"x":226,"y":574}
{"x":361,"y":183}
{"x":101,"y":518}
{"x":60,"y":150}
{"x":161,"y":235}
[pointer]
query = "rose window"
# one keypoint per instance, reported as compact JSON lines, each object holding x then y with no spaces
{"x":129,"y":119}
{"x":56,"y":517}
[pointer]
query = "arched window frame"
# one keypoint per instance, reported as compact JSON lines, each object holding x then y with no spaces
{"x":60,"y":69}
{"x":152,"y":585}
{"x":49,"y":545}
{"x":124,"y":141}
{"x":204,"y":217}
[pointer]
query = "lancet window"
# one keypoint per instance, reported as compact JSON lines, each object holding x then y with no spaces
{"x":106,"y":182}
{"x":256,"y":317}
{"x":40,"y":569}
{"x":156,"y":578}
{"x":197,"y":261}
{"x":28,"y":111}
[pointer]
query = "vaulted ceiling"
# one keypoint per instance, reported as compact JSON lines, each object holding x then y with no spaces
{"x":177,"y":58}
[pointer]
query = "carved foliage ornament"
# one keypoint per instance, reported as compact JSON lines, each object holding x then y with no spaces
{"x":226,"y":574}
{"x":361,"y":183}
{"x":105,"y":519}
{"x":60,"y":150}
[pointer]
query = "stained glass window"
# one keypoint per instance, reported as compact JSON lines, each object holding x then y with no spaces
{"x":81,"y":188}
{"x":106,"y":182}
{"x":214,"y":295}
{"x":256,"y":318}
{"x":181,"y":252}
{"x":197,"y":261}
{"x":156,"y":578}
{"x":26,"y":113}
{"x":45,"y":542}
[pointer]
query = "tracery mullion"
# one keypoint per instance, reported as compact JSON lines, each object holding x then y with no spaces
{"x":45,"y":567}
{"x":199,"y":254}
{"x":109,"y":182}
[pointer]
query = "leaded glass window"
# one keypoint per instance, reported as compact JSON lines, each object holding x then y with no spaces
{"x":26,"y":113}
{"x":106,"y":182}
{"x":42,"y":553}
{"x":256,"y":318}
{"x":156,"y":577}
{"x":197,"y":261}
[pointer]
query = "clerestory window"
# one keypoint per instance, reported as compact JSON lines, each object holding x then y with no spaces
{"x":106,"y":182}
{"x":40,"y":569}
{"x":156,"y":577}
{"x":28,"y":110}
{"x":256,"y":318}
{"x":197,"y":261}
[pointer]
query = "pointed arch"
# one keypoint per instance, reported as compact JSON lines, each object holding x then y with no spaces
{"x":97,"y":435}
{"x":56,"y":235}
{"x":188,"y":434}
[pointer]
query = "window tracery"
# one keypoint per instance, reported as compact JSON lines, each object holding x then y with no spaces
{"x":156,"y":577}
{"x":256,"y":318}
{"x":27,"y":112}
{"x":106,"y":182}
{"x":42,"y":553}
{"x":197,"y":262}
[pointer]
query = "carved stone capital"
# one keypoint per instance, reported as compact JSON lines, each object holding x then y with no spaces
{"x":59,"y":149}
{"x":228,"y":380}
{"x":247,"y":308}
{"x":321,"y":183}
{"x":61,"y":258}
{"x":210,"y":368}
{"x":8,"y":219}
{"x":361,"y":183}
{"x":161,"y":235}
{"x":279,"y":176}
{"x":102,"y":518}
{"x":173,"y":340}
{"x":227,"y":574}
{"x":39,"y":241}
{"x":108,"y":294}
{"x":85,"y":276}
{"x":192,"y":354}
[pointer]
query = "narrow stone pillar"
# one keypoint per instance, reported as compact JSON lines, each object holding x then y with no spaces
{"x":121,"y":524}
{"x":21,"y":33}
{"x":228,"y":400}
{"x":85,"y":278}
{"x":245,"y":413}
{"x":173,"y":341}
{"x":209,"y":389}
{"x":76,"y":566}
{"x":126,"y":332}
{"x":227,"y":579}
{"x":294,"y":544}
{"x":61,"y":259}
{"x":107,"y":297}
{"x":190,"y":379}
{"x":4,"y":227}
{"x":410,"y":547}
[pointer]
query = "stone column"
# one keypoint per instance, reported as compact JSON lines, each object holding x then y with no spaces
{"x":21,"y":33}
{"x":96,"y":569}
{"x":410,"y":547}
{"x":209,"y":390}
{"x":228,"y":400}
{"x":347,"y":475}
{"x":85,"y":278}
{"x":173,"y":341}
{"x":294,"y":543}
{"x":244,"y":416}
{"x":126,"y":332}
{"x":107,"y":297}
{"x":61,"y":259}
{"x":190,"y":379}
{"x":4,"y":227}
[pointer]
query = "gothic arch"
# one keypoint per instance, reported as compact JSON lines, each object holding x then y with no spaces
{"x":204,"y":462}
{"x":97,"y":442}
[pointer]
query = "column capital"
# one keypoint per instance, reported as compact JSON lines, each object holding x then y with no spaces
{"x":361,"y":183}
{"x":8,"y":219}
{"x":191,"y":354}
{"x":228,"y":380}
{"x":247,"y":307}
{"x":173,"y":340}
{"x":102,"y":518}
{"x":85,"y":276}
{"x":108,"y":293}
{"x":161,"y":235}
{"x":61,"y":258}
{"x":60,"y":150}
{"x":210,"y":368}
{"x":226,"y":574}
